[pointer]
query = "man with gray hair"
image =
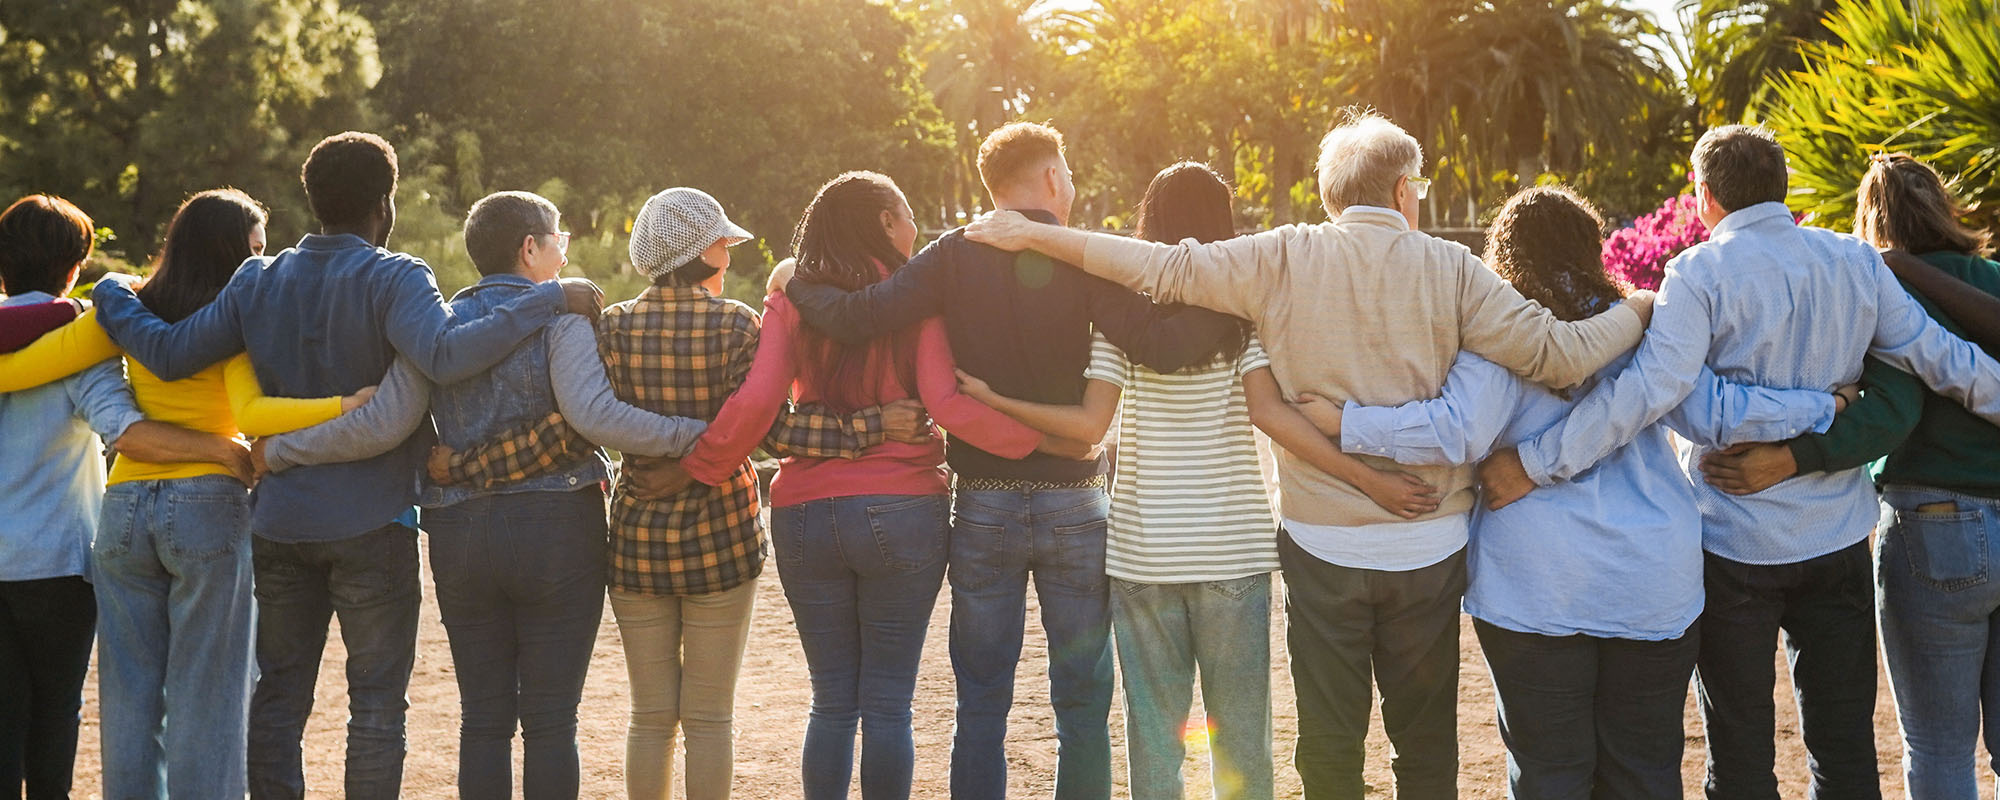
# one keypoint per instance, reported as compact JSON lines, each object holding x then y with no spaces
{"x":1363,"y":308}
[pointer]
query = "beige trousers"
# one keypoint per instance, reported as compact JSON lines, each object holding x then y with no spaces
{"x":682,"y":654}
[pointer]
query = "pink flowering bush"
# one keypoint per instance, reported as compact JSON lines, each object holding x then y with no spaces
{"x":1639,"y":254}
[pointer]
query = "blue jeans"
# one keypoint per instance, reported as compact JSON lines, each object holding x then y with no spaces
{"x":172,"y":570}
{"x":861,"y":574}
{"x":998,"y":539}
{"x":1164,"y":632}
{"x":1587,"y":717}
{"x":1940,"y":611}
{"x":371,"y":581}
{"x":520,"y":585}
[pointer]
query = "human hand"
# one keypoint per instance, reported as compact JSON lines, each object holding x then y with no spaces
{"x":580,"y":296}
{"x":1007,"y":230}
{"x":245,"y":462}
{"x":1504,"y":480}
{"x":1401,"y":493}
{"x":1324,"y":413}
{"x":1845,"y":397}
{"x":358,"y":399}
{"x":655,"y":478}
{"x":1642,"y":302}
{"x":438,"y":464}
{"x":1749,"y":468}
{"x":781,"y":276}
{"x":973,"y":387}
{"x":906,"y":421}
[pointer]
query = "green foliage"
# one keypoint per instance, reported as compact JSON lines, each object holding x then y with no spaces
{"x":126,"y":108}
{"x":1739,"y":48}
{"x":1889,"y":81}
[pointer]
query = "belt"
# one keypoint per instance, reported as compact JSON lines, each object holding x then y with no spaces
{"x":1023,"y":485}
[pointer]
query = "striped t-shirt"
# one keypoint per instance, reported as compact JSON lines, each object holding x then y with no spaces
{"x":1188,"y":501}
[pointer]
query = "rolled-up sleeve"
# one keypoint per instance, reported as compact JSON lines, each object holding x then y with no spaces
{"x":104,"y":399}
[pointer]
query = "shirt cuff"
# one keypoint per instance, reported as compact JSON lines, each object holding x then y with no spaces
{"x":121,"y":421}
{"x":1534,"y":464}
{"x":1367,"y":430}
{"x":1818,"y":418}
{"x":276,"y":449}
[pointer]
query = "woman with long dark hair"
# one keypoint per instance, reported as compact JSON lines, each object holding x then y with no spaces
{"x":1191,"y":540}
{"x":860,"y":543}
{"x":171,"y":560}
{"x":1584,"y":594}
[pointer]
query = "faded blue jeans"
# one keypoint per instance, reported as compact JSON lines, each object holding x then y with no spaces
{"x":1164,"y":631}
{"x":172,"y":571}
{"x":998,"y":540}
{"x":520,"y":587}
{"x":371,"y":581}
{"x":862,"y":575}
{"x":1940,"y":613}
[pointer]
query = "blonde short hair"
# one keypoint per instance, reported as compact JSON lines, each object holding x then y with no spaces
{"x":1361,"y":159}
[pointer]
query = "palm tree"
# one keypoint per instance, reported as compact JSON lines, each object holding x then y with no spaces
{"x":982,"y":60}
{"x":1737,"y":48}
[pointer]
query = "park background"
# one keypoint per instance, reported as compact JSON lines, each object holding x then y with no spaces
{"x":128,"y":106}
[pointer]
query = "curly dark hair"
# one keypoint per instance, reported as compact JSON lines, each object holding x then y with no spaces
{"x":1549,"y":243}
{"x":347,"y":175}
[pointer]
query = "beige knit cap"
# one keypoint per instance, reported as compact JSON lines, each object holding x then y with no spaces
{"x":673,"y":228}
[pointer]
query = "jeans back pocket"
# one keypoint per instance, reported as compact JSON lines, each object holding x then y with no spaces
{"x":203,"y":527}
{"x":1947,"y":550}
{"x":909,"y":534}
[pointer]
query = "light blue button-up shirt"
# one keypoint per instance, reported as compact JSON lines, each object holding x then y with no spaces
{"x":1768,"y":302}
{"x":1614,"y":552}
{"x":52,"y":465}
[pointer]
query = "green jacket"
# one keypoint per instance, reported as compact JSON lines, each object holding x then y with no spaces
{"x":1929,"y":440}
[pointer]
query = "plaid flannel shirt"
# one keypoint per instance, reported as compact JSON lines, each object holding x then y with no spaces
{"x":678,"y":352}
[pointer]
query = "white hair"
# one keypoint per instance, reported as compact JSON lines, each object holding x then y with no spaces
{"x":1361,"y":159}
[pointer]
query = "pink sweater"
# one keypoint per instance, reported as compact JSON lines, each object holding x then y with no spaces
{"x":887,"y":468}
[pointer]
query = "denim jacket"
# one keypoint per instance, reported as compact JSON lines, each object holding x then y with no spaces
{"x":513,"y":393}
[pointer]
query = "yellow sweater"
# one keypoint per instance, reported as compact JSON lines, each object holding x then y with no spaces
{"x":224,"y":399}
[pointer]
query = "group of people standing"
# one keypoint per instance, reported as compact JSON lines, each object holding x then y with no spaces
{"x":1451,"y":433}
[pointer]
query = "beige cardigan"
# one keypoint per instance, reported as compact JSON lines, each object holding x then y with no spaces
{"x":1365,"y":309}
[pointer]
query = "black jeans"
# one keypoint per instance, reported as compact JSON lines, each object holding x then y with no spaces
{"x":1590,"y":718}
{"x":520,"y":584}
{"x":46,"y":627}
{"x":1349,"y":628}
{"x":1826,"y":608}
{"x":371,"y":581}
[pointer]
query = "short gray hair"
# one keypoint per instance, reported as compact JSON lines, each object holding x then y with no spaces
{"x":1361,"y":159}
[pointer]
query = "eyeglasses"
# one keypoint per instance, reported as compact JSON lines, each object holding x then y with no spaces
{"x":1421,"y":186}
{"x":562,"y":240}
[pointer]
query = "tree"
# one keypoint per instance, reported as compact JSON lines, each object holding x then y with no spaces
{"x":1740,"y":48}
{"x":127,"y":107}
{"x":1889,"y":80}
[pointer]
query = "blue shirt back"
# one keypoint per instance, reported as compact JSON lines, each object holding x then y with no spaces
{"x":1769,"y":302}
{"x":328,"y":317}
{"x":1613,"y":552}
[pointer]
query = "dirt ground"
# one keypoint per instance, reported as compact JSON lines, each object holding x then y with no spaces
{"x":773,"y":695}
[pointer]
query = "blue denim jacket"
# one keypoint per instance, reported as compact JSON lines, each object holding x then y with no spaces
{"x":326,"y":318}
{"x":514,"y":392}
{"x":52,"y":465}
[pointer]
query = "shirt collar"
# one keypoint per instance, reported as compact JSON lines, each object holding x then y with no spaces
{"x":1377,"y":215}
{"x":1037,"y":214}
{"x":1751,"y":215}
{"x":668,"y":294}
{"x":27,"y":298}
{"x":339,"y":241}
